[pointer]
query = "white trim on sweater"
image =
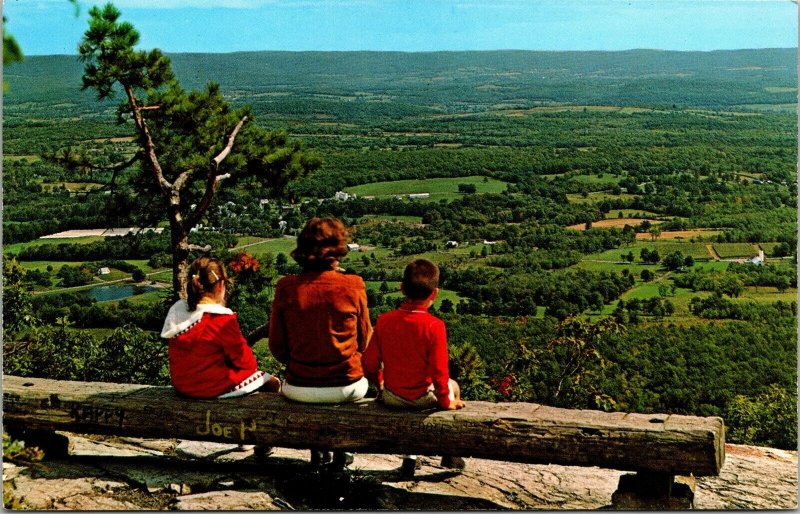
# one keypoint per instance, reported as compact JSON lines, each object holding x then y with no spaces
{"x":180,"y":318}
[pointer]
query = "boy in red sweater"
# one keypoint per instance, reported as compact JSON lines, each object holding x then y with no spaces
{"x":412,"y":346}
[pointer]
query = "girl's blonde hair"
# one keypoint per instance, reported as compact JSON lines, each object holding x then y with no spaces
{"x":204,"y":273}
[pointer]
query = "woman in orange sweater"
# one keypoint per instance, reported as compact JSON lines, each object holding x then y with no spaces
{"x":319,"y":326}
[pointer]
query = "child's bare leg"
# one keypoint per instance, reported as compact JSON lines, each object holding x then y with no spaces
{"x":449,"y":461}
{"x":456,"y":389}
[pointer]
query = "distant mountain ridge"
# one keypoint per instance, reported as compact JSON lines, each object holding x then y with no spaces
{"x":430,"y":79}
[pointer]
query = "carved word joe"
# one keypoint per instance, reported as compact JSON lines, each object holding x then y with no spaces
{"x":227,"y":431}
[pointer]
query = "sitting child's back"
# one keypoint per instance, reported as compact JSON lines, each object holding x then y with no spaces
{"x":411,"y":346}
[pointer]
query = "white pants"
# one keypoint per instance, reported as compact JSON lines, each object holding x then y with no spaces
{"x":338,"y":394}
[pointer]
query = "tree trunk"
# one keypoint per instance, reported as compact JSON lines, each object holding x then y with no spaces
{"x":179,"y":238}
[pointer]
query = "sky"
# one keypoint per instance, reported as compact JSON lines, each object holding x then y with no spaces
{"x":45,"y":27}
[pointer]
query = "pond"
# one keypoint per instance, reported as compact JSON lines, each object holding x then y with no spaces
{"x":118,"y":291}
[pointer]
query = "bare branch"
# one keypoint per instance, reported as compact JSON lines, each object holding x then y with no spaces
{"x":121,"y":165}
{"x":225,"y":151}
{"x":198,"y":248}
{"x":213,"y":179}
{"x":259,"y":333}
{"x":182,"y":178}
{"x":149,"y":145}
{"x":149,"y":107}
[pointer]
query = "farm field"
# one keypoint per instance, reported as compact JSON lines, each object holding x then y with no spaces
{"x":392,"y":217}
{"x":631,"y":213}
{"x":596,"y":197}
{"x":612,"y":223}
{"x":439,"y":188}
{"x":733,"y":250}
{"x":15,"y":248}
{"x":273,"y":246}
{"x":696,"y":250}
{"x":683,"y":234}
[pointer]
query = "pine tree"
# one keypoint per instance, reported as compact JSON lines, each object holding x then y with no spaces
{"x":189,"y":142}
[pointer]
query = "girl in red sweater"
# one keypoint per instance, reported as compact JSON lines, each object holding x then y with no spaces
{"x":208,"y":356}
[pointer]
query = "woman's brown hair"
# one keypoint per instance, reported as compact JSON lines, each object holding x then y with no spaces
{"x":322,"y":242}
{"x":204,"y":273}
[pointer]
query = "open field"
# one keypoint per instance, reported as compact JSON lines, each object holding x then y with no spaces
{"x":768,"y":294}
{"x":392,"y":217}
{"x":682,"y":234}
{"x":18,"y":247}
{"x":733,"y":250}
{"x":274,"y":246}
{"x":631,"y":213}
{"x":439,"y":188}
{"x":598,"y":197}
{"x":247,"y":240}
{"x":29,"y":158}
{"x":612,"y":223}
{"x":696,"y":250}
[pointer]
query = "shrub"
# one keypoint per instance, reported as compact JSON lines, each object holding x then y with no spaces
{"x":769,"y":418}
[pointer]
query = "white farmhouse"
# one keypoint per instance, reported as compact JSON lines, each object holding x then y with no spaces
{"x":103,"y":271}
{"x":341,"y":196}
{"x":418,"y":196}
{"x":759,"y":259}
{"x":353,"y":247}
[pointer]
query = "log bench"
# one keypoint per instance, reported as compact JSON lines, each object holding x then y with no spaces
{"x":657,"y":447}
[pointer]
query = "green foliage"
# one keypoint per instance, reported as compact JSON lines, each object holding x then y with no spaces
{"x":128,"y":355}
{"x":469,"y":370}
{"x":252,"y":293}
{"x":769,"y":418}
{"x":18,"y":312}
{"x":16,"y":451}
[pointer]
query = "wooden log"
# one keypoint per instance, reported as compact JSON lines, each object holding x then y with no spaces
{"x":517,"y":432}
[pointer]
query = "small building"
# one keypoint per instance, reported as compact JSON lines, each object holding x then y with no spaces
{"x":353,"y":247}
{"x":418,"y":196}
{"x":758,"y":260}
{"x":489,"y":243}
{"x":103,"y":271}
{"x":341,"y":196}
{"x":451,"y":244}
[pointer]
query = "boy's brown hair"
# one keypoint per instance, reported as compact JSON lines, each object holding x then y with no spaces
{"x":420,"y":278}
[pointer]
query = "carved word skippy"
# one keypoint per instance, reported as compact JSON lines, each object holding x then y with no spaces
{"x":88,"y":413}
{"x":226,"y":431}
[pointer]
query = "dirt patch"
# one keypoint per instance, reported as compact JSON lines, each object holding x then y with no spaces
{"x":678,"y":234}
{"x":713,"y":252}
{"x":613,"y":223}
